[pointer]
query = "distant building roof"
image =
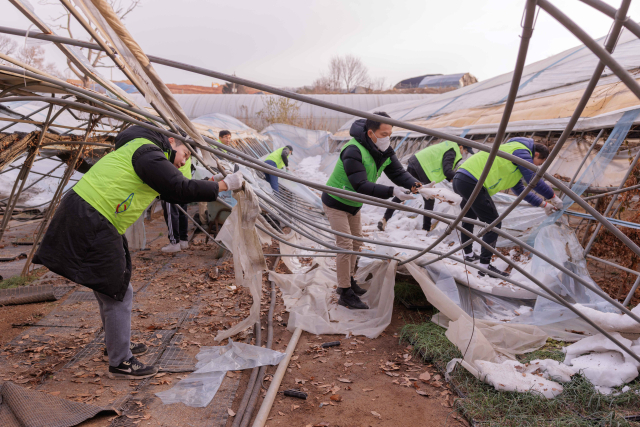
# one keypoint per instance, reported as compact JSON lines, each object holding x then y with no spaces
{"x":437,"y":81}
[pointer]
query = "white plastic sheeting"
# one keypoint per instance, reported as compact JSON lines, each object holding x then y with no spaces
{"x":200,"y":387}
{"x":239,"y":235}
{"x":246,"y":107}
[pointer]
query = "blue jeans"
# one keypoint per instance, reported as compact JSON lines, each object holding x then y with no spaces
{"x":271,"y":179}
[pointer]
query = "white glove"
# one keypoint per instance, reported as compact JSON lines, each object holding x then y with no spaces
{"x":548,"y":208}
{"x":234,"y":181}
{"x":218,"y":177}
{"x":402,"y":194}
{"x":429,"y":185}
{"x":557,"y":202}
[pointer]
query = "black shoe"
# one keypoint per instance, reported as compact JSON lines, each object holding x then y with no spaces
{"x":356,"y":288}
{"x":382,"y":224}
{"x":349,"y":299}
{"x":137,"y":349}
{"x":132,"y":369}
{"x":472,"y":258}
{"x":492,"y":269}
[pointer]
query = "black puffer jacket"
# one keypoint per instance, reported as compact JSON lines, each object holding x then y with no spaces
{"x":83,"y":246}
{"x":357,"y":174}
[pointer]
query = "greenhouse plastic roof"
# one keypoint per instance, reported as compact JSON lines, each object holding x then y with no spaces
{"x":247,"y":107}
{"x":547,"y":96}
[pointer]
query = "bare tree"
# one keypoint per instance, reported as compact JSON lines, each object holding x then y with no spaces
{"x":34,"y":57}
{"x":349,"y":71}
{"x":7,"y":46}
{"x":122,"y":8}
{"x":378,"y":85}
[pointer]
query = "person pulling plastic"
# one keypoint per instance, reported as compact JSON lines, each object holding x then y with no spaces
{"x":504,"y":175}
{"x":430,"y":166}
{"x":85,"y":241}
{"x":362,"y":160}
{"x":278,"y":159}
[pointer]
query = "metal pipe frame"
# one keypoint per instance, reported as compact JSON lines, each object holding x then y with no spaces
{"x":354,"y":112}
{"x":493,"y":152}
{"x":362,"y":198}
{"x":610,"y":44}
{"x":250,"y":162}
{"x":611,"y":203}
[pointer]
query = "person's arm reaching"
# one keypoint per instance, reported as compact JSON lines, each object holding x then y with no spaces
{"x":531,"y":198}
{"x":285,"y":156}
{"x":398,"y":175}
{"x":448,"y":165}
{"x":541,"y":187}
{"x":357,"y":175}
{"x":153,"y":168}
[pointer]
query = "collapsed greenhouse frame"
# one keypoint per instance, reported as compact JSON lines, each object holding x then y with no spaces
{"x":27,"y":83}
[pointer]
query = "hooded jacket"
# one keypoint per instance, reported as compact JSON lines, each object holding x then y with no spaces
{"x":83,"y":246}
{"x":357,"y":174}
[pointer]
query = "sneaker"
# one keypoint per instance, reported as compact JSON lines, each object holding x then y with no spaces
{"x":472,"y":258}
{"x":382,"y":224}
{"x":131,"y":369}
{"x":184,"y":244}
{"x":172,"y":247}
{"x":354,"y":287}
{"x":492,"y":269}
{"x":137,"y":349}
{"x":349,"y":299}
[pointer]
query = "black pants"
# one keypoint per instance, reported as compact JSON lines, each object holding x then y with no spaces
{"x":428,"y":203}
{"x":176,"y":222}
{"x":483,"y":209}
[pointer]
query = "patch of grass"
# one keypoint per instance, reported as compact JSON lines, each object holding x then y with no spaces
{"x":16,"y":281}
{"x":578,"y":405}
{"x":411,"y":293}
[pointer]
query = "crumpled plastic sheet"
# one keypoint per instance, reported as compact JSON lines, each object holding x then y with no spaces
{"x":311,"y":300}
{"x":239,"y":235}
{"x":200,"y":387}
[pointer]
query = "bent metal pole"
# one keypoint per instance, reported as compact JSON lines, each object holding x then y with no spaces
{"x":398,"y":206}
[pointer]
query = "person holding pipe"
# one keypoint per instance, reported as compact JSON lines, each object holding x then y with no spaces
{"x":362,"y":160}
{"x":503,"y":175}
{"x":85,"y":241}
{"x":430,"y":166}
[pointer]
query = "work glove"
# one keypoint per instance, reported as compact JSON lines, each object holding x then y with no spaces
{"x":402,"y":194}
{"x":548,"y":208}
{"x":557,"y":202}
{"x":217,"y":177}
{"x":234,"y":181}
{"x":429,"y":185}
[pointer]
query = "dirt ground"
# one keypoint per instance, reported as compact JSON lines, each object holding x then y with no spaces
{"x":181,"y":302}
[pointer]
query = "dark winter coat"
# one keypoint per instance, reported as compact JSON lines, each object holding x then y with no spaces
{"x":357,"y":174}
{"x":83,"y":246}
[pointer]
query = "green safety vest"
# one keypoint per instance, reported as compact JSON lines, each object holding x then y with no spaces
{"x":430,"y":159}
{"x":276,"y":157}
{"x":186,"y":169}
{"x":114,"y":189}
{"x":503,"y":175}
{"x":338,"y":178}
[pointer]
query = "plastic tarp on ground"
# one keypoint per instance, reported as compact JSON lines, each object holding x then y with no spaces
{"x":200,"y":387}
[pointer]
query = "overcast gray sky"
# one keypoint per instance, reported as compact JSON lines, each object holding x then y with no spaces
{"x":289,"y":42}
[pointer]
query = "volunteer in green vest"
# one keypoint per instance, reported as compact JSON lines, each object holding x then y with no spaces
{"x":362,"y":160}
{"x":177,"y":222}
{"x":504,"y":175}
{"x":224,"y":137}
{"x":85,"y":241}
{"x":278,"y":159}
{"x":430,"y":166}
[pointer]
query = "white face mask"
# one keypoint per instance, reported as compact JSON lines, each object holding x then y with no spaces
{"x":383,"y":143}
